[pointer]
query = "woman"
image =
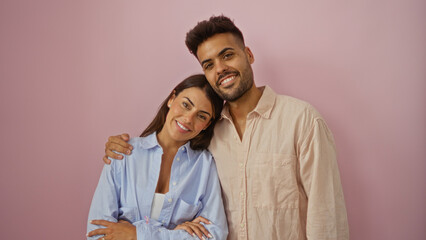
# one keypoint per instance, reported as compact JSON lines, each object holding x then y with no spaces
{"x":168,"y":187}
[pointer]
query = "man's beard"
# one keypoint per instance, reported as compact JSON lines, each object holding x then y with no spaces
{"x":237,"y":93}
{"x":245,"y":85}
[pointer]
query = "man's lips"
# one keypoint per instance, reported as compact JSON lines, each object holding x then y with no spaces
{"x":226,"y":78}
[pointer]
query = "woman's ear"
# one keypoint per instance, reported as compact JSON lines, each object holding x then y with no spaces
{"x":171,"y":99}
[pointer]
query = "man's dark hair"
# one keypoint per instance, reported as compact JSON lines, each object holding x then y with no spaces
{"x":208,"y":28}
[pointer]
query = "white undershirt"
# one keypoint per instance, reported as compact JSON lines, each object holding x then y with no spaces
{"x":157,"y":205}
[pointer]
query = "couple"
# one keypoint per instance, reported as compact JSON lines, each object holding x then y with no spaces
{"x":274,"y":154}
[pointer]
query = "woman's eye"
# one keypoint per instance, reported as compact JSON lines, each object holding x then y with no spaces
{"x":185,"y":105}
{"x":202,"y":117}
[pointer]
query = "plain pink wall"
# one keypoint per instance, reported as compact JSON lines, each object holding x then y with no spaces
{"x":74,"y":72}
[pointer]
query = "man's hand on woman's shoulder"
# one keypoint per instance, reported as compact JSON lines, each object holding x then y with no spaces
{"x":118,"y":144}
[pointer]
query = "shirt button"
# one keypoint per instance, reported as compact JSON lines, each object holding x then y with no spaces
{"x":241,"y":194}
{"x":242,"y":225}
{"x":241,"y":165}
{"x":170,"y":200}
{"x":178,"y":159}
{"x":174,"y":183}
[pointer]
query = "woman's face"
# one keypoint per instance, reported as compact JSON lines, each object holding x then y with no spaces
{"x":189,"y":113}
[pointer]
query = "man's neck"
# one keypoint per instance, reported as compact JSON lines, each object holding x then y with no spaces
{"x":240,"y":108}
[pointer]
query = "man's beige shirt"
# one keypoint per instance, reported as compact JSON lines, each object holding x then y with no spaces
{"x":281,"y":181}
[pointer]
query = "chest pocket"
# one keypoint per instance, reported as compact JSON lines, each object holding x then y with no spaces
{"x":185,"y":212}
{"x":274,"y":181}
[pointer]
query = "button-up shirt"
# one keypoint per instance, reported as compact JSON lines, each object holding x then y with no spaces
{"x":281,"y":180}
{"x":126,"y":190}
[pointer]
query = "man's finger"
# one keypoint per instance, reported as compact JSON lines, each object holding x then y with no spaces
{"x":125,"y":137}
{"x":118,"y":148}
{"x":113,"y":155}
{"x":118,"y":140}
{"x":106,"y":160}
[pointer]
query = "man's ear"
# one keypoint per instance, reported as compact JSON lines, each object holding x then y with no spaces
{"x":249,"y":54}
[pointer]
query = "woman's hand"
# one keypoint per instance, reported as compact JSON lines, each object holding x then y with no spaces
{"x":195,"y":227}
{"x":122,"y":230}
{"x":119,"y":144}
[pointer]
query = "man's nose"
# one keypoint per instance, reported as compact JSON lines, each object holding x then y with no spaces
{"x":221,"y":67}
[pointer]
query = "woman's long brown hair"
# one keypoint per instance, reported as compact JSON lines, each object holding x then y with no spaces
{"x":202,"y":140}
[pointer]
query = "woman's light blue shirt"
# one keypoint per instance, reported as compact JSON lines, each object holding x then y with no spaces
{"x":126,"y":189}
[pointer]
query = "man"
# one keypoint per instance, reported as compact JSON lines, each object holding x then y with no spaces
{"x":275,"y":155}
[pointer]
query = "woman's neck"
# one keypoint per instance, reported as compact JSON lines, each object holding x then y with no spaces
{"x":169,"y":145}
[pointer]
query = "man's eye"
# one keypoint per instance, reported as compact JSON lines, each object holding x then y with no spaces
{"x":208,"y":66}
{"x":227,"y":55}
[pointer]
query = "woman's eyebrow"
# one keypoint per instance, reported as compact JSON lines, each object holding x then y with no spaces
{"x":189,"y":100}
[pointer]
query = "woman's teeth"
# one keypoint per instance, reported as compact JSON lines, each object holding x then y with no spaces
{"x":181,"y":126}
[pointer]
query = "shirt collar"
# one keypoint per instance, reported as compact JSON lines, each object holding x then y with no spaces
{"x":263,"y":108}
{"x":151,"y":141}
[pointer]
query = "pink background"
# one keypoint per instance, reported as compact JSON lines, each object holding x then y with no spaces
{"x":74,"y":72}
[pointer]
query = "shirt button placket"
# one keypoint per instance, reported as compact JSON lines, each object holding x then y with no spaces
{"x":242,"y":199}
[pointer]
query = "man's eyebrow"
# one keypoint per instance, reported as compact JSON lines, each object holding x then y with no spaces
{"x":220,"y":53}
{"x":224,"y":50}
{"x":189,"y":100}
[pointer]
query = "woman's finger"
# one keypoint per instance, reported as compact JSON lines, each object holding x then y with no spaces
{"x":104,"y":223}
{"x":204,"y":231}
{"x":201,"y":219}
{"x":99,"y":231}
{"x":185,"y":227}
{"x":107,"y":237}
{"x":196,"y":227}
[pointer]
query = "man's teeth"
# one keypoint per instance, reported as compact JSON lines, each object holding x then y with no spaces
{"x":227,"y":80}
{"x":181,"y":126}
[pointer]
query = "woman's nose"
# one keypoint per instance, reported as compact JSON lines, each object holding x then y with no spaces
{"x":189,"y":116}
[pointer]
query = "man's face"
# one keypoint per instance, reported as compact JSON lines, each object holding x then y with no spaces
{"x":227,"y":65}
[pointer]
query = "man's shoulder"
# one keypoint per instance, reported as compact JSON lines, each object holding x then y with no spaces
{"x":292,"y":105}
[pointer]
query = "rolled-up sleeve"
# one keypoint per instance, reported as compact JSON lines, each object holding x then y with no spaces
{"x":319,"y":173}
{"x":105,"y":200}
